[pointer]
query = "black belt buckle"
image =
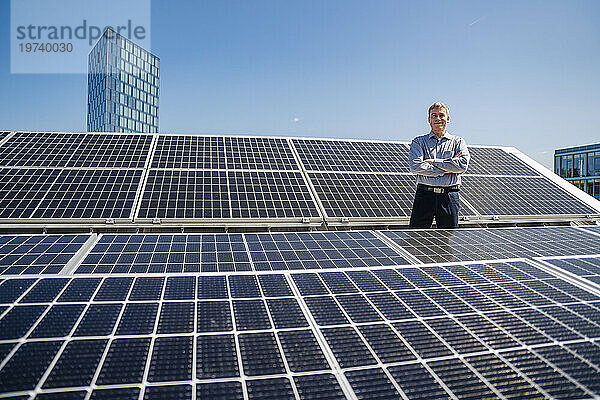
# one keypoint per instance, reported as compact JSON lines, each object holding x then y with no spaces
{"x":439,"y":189}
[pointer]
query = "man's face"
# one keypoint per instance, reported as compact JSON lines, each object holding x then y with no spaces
{"x":438,"y":119}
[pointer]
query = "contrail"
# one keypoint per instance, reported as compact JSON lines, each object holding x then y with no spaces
{"x":476,"y":21}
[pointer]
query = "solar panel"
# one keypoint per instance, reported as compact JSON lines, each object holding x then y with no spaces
{"x":259,"y":153}
{"x":185,"y":195}
{"x":90,"y":194}
{"x":299,"y":315}
{"x":277,"y":194}
{"x":342,"y":155}
{"x":112,"y":151}
{"x":294,"y":251}
{"x":210,"y":177}
{"x":532,"y":308}
{"x":584,"y":267}
{"x":21,"y":190}
{"x":495,"y":161}
{"x":353,"y":329}
{"x":364,"y":195}
{"x":224,"y":342}
{"x":39,"y":149}
{"x":489,"y":244}
{"x":189,"y":152}
{"x":166,"y":253}
{"x":520,"y":196}
{"x":43,"y":149}
{"x":227,"y":252}
{"x":37,"y":254}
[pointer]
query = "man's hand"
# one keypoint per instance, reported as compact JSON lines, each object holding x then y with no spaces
{"x":429,"y":161}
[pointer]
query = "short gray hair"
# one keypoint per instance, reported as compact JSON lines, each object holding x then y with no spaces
{"x":438,"y":104}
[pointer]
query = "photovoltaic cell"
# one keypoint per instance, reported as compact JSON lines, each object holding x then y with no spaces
{"x":124,"y":362}
{"x":171,"y":359}
{"x":342,"y":155}
{"x":77,"y":364}
{"x":37,"y":254}
{"x":27,"y":365}
{"x":520,"y":196}
{"x":369,"y":383}
{"x":319,"y":386}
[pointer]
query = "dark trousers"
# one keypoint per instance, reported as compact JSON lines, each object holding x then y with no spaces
{"x":427,"y":205}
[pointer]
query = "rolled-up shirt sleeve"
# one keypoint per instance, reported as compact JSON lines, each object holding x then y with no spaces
{"x":416,"y":164}
{"x":456,"y":165}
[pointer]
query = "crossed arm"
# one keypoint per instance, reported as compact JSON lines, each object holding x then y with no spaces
{"x":438,"y":167}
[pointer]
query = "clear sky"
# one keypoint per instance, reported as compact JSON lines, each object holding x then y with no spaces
{"x":514,"y":73}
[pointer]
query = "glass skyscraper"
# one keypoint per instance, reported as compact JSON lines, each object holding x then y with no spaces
{"x":123,"y":81}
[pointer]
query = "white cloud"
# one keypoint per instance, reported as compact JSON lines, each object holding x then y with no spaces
{"x":296,"y":119}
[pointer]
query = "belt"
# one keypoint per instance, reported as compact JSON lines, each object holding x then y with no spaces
{"x":438,"y":189}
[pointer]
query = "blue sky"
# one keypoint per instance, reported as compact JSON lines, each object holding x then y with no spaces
{"x":514,"y":73}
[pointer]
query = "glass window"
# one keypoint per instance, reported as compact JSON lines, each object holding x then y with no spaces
{"x":579,"y":167}
{"x":557,"y":165}
{"x":567,"y":166}
{"x":596,"y":188}
{"x":593,"y":164}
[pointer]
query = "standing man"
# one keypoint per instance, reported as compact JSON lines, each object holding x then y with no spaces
{"x":437,"y":158}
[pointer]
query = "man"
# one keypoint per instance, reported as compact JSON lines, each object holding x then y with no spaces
{"x":437,"y":158}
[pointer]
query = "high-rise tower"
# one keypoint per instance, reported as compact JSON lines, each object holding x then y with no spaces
{"x":123,"y":86}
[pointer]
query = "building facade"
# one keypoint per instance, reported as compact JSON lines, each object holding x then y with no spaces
{"x":581,"y":166}
{"x":123,"y":86}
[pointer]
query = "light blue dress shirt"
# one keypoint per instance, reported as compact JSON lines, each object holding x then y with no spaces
{"x":446,"y":168}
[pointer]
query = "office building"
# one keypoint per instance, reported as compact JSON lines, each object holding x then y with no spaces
{"x":123,"y":86}
{"x":580,"y":165}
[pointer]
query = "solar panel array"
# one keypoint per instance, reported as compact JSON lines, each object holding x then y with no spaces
{"x":470,"y":313}
{"x":211,"y":177}
{"x":488,"y":329}
{"x":139,"y":179}
{"x":367,"y":180}
{"x":237,"y":252}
